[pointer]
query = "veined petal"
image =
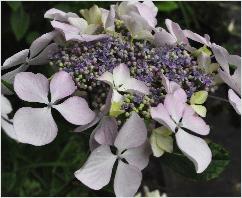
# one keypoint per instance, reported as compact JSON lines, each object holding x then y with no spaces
{"x":120,"y":75}
{"x":221,"y":56}
{"x":191,"y":121}
{"x":32,"y":87}
{"x":16,"y":59}
{"x":196,"y":37}
{"x":61,"y":86}
{"x":134,"y":86}
{"x":176,"y":31}
{"x":76,"y":111}
{"x":127,"y":180}
{"x":139,"y":156}
{"x":40,"y":43}
{"x":35,"y":126}
{"x":195,"y":148}
{"x":107,"y":77}
{"x":64,"y":27}
{"x":43,"y":57}
{"x":235,"y":101}
{"x":59,"y":15}
{"x":161,"y":115}
{"x":174,"y":107}
{"x":79,"y":23}
{"x":96,"y":172}
{"x":106,"y":131}
{"x":132,"y":134}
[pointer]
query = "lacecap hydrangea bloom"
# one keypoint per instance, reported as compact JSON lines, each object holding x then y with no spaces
{"x":143,"y":87}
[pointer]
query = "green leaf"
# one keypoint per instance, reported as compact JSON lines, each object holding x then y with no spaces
{"x":200,"y":110}
{"x":20,"y":23}
{"x":8,"y":85}
{"x":182,"y":165}
{"x":14,"y":5}
{"x":199,"y":97}
{"x":167,"y":6}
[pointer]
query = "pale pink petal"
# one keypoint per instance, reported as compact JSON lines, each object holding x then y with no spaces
{"x":107,"y":77}
{"x":195,"y":148}
{"x":148,"y":12}
{"x":235,"y":101}
{"x":235,"y":60}
{"x":96,"y":172}
{"x":93,"y":144}
{"x":59,"y":15}
{"x":7,"y":126}
{"x":120,"y":75}
{"x":127,"y":180}
{"x":61,"y":86}
{"x":221,"y":55}
{"x":180,"y":94}
{"x":9,"y":77}
{"x":176,"y":31}
{"x":76,"y":111}
{"x":44,"y":56}
{"x":109,"y":22}
{"x":35,"y":126}
{"x":132,"y":134}
{"x":6,"y":106}
{"x":64,"y":27}
{"x":196,"y":37}
{"x":32,"y":87}
{"x":161,"y":115}
{"x":233,"y":82}
{"x":138,"y":157}
{"x":16,"y":59}
{"x":174,"y":106}
{"x":84,"y":37}
{"x":162,"y":38}
{"x":193,"y":122}
{"x":134,"y":86}
{"x":106,"y":131}
{"x":40,"y":43}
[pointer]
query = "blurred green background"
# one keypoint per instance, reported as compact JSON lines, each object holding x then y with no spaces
{"x":48,"y":170}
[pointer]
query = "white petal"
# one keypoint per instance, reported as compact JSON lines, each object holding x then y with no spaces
{"x":162,"y":38}
{"x":132,"y":134}
{"x":44,"y":56}
{"x":117,"y":97}
{"x":120,"y":75}
{"x":61,"y":86}
{"x":138,"y":157}
{"x":235,"y":101}
{"x":64,"y":27}
{"x":16,"y":59}
{"x":35,"y":126}
{"x":107,"y":77}
{"x":96,"y":172}
{"x":106,"y":131}
{"x":9,"y":77}
{"x":161,"y":115}
{"x":7,"y":126}
{"x":69,"y":36}
{"x":195,"y":148}
{"x":32,"y":87}
{"x":127,"y":180}
{"x":76,"y":111}
{"x":109,"y":22}
{"x":6,"y":106}
{"x":134,"y":86}
{"x":193,"y":122}
{"x":40,"y":43}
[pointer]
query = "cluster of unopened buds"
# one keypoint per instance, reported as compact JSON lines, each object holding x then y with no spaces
{"x":141,"y":85}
